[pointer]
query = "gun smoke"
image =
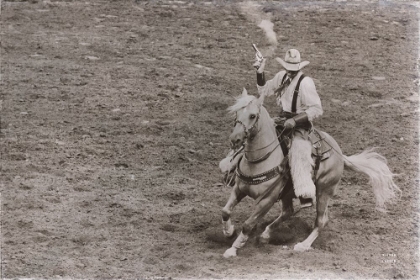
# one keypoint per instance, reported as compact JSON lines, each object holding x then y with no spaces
{"x":262,"y":20}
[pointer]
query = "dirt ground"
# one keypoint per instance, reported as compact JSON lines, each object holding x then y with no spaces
{"x":113,"y":122}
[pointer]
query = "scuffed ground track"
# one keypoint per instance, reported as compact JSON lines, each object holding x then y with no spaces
{"x":113,"y":122}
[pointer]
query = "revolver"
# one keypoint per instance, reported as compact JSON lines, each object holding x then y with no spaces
{"x":258,"y":55}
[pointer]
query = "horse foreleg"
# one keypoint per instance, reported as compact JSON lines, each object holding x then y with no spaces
{"x":320,"y":223}
{"x":235,"y":197}
{"x":286,"y":213}
{"x":261,"y":209}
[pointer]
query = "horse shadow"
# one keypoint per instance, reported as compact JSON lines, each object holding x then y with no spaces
{"x":286,"y":234}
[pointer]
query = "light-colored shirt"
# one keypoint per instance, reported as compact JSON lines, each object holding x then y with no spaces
{"x":308,"y":100}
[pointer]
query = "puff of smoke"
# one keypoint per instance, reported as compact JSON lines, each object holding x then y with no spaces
{"x":263,"y":20}
{"x":267,"y":26}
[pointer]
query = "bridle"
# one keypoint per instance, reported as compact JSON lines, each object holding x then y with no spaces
{"x":248,"y":131}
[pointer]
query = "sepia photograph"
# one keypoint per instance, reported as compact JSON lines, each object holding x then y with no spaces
{"x":209,"y":139}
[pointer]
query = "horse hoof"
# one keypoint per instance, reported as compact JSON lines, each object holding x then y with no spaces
{"x":265,"y":236}
{"x":229,"y":232}
{"x":300,"y":247}
{"x":264,"y":240}
{"x":231,"y":252}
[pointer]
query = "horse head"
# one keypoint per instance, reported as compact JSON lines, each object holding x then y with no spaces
{"x":248,"y":110}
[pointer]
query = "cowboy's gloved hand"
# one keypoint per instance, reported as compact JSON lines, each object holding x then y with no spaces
{"x":276,"y":120}
{"x":259,"y":65}
{"x":279,"y":120}
{"x":289,"y":124}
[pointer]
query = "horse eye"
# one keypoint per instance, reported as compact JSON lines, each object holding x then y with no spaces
{"x":252,"y":116}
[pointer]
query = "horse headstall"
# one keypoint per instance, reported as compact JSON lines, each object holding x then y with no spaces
{"x":250,"y":130}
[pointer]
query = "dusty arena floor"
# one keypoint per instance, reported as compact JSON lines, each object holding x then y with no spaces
{"x":113,"y":122}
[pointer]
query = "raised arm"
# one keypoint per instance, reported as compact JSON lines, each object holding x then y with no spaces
{"x":269,"y":87}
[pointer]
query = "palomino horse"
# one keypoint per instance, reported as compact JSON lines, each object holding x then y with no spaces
{"x":263,"y":174}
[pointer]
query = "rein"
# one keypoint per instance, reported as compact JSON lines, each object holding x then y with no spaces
{"x":264,"y":157}
{"x":262,"y":147}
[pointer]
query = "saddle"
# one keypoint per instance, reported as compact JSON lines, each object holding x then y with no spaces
{"x":321,"y":150}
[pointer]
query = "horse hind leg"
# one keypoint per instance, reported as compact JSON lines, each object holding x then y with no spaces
{"x":320,"y":222}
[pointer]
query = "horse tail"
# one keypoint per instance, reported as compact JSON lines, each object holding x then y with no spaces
{"x":375,"y":167}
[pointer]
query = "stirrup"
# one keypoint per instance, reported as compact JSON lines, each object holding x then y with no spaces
{"x":305,"y":202}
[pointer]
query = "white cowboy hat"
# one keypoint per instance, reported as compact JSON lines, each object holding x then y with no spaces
{"x":292,"y":61}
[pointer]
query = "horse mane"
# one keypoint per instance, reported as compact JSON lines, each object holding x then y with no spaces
{"x":241,"y":102}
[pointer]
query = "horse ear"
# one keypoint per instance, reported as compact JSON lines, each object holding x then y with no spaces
{"x":261,"y":98}
{"x":244,"y":92}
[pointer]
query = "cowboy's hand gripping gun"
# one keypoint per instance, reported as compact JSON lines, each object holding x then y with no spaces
{"x":258,"y":57}
{"x":259,"y":65}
